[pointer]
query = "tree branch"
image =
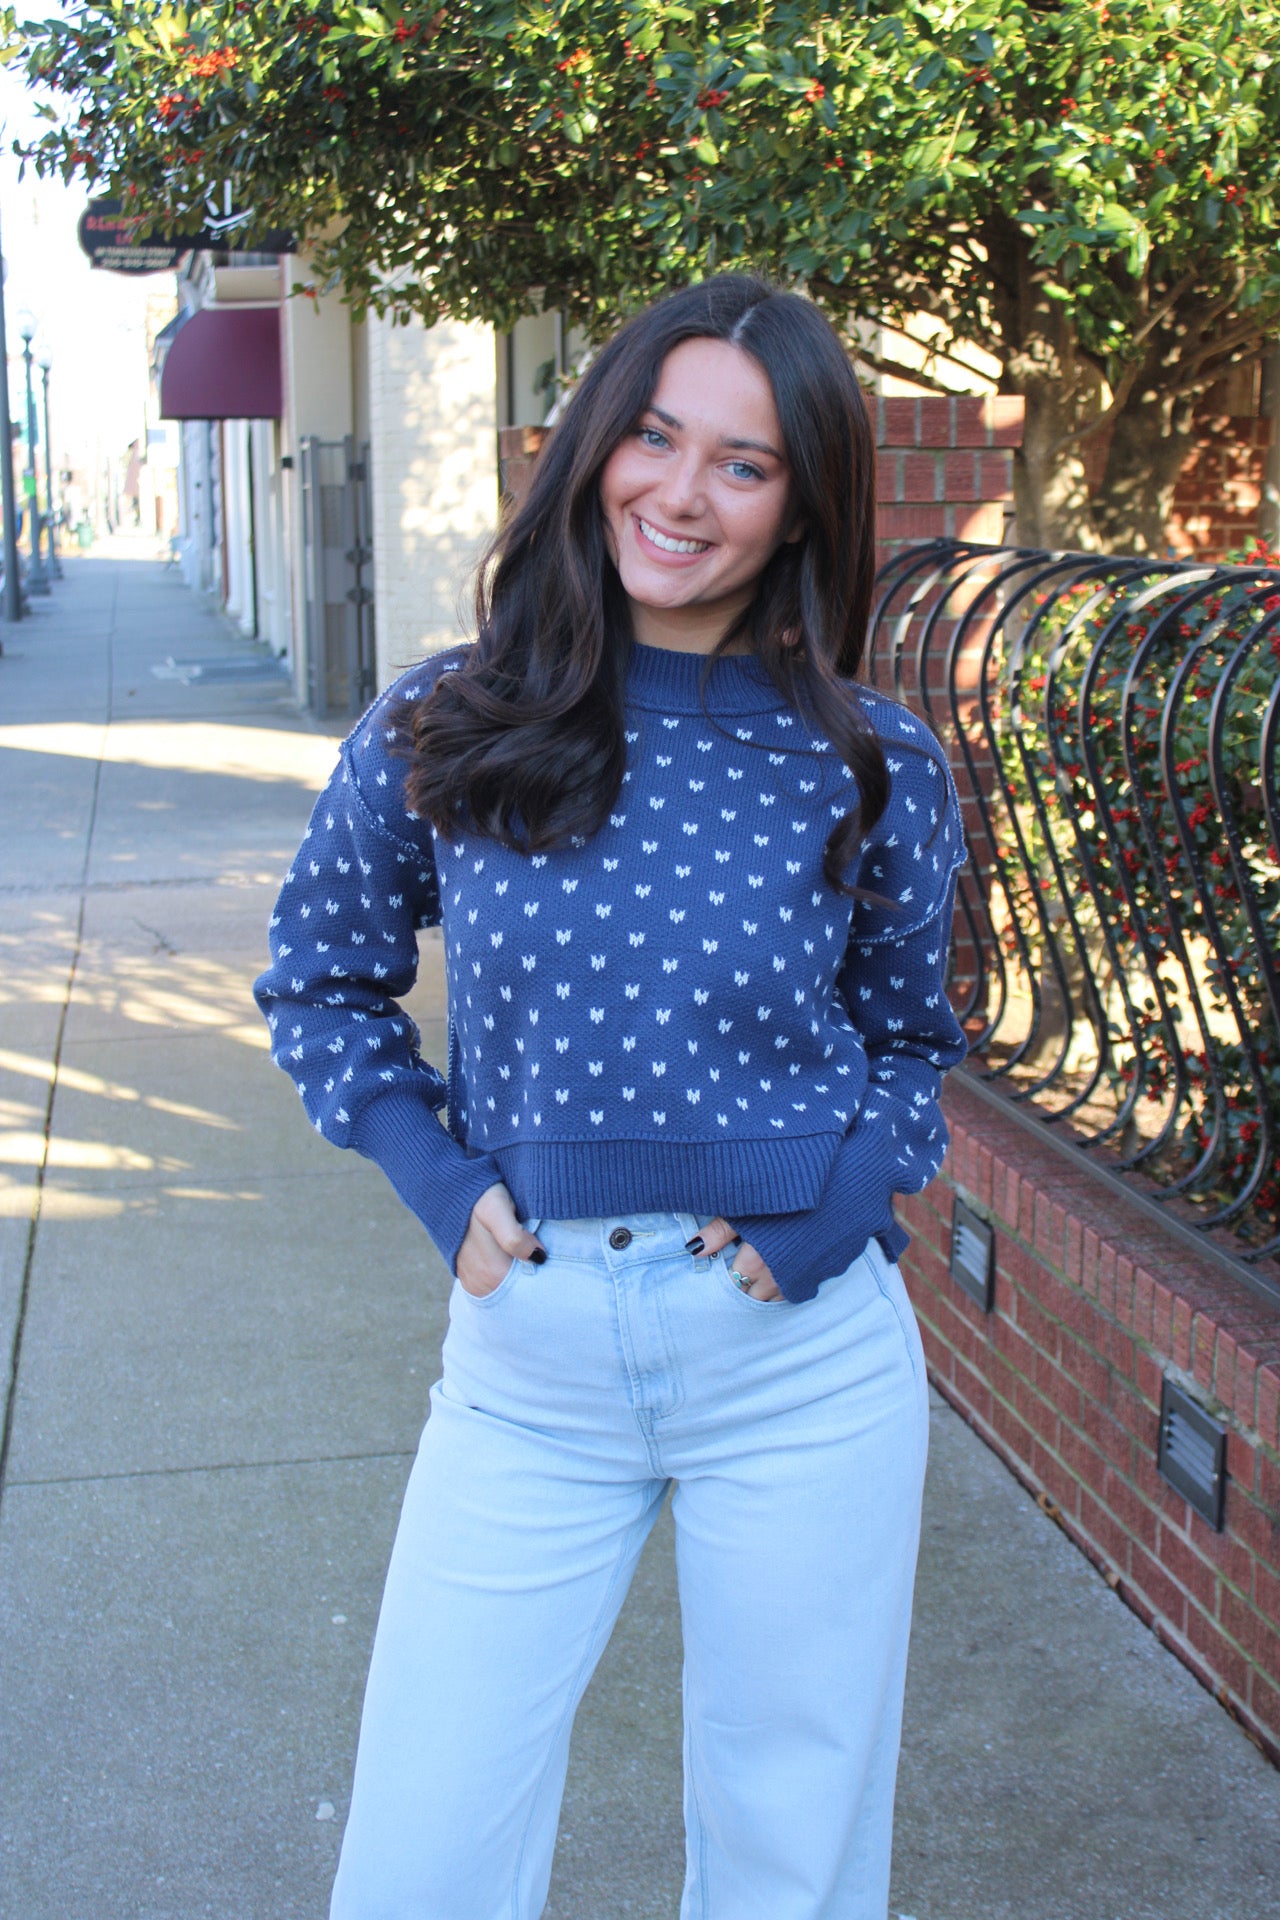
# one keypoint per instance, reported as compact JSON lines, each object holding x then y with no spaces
{"x":1165,"y":308}
{"x":884,"y":363}
{"x":1244,"y":334}
{"x":1119,"y":400}
{"x":1207,"y":317}
{"x":1200,"y":383}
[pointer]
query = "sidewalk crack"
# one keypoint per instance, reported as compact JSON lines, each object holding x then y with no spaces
{"x":211,"y":1466}
{"x":10,"y":1385}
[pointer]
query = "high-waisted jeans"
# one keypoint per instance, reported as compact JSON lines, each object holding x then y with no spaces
{"x":571,"y":1399}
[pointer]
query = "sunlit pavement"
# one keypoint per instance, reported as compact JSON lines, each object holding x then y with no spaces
{"x":226,"y":1336}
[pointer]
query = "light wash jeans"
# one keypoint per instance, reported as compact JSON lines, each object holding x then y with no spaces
{"x":571,"y":1399}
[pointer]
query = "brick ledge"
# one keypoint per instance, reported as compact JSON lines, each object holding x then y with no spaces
{"x":1095,"y":1302}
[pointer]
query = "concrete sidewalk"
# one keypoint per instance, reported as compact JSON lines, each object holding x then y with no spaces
{"x":217,"y":1397}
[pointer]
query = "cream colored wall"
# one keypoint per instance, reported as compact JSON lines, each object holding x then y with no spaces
{"x":315,"y":338}
{"x":523,"y":354}
{"x":274,"y":613}
{"x":235,"y":512}
{"x":433,"y":429}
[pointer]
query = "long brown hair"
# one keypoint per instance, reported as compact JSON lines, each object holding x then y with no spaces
{"x":525,"y":742}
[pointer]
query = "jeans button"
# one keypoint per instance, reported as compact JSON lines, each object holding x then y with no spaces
{"x":620,"y":1238}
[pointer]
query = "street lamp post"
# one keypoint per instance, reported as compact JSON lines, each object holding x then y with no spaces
{"x":37,"y":576}
{"x":14,"y":606}
{"x":55,"y":565}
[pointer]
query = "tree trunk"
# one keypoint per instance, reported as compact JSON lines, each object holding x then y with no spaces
{"x":1129,"y":508}
{"x":1050,"y":486}
{"x":1149,"y":446}
{"x":1042,"y":362}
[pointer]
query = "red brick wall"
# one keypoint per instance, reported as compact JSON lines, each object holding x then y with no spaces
{"x":1093,"y":1304}
{"x":945,"y":467}
{"x":518,"y":448}
{"x":1219,"y":492}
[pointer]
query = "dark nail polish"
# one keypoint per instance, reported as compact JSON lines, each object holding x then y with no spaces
{"x":539,"y":1256}
{"x":695,"y":1245}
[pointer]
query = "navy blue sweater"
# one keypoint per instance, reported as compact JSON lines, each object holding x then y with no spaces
{"x":676,"y":1013}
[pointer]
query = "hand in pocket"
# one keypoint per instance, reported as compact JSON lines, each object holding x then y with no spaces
{"x":494,"y":1238}
{"x":717,"y":1235}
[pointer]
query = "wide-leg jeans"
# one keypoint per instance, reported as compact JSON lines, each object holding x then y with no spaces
{"x":572,"y":1398}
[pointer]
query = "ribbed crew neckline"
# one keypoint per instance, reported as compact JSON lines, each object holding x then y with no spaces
{"x":667,"y":681}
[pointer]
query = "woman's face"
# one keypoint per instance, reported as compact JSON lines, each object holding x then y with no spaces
{"x":698,"y":497}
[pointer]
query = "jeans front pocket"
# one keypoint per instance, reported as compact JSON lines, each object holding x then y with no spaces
{"x":504,"y":1287}
{"x":507,"y":1283}
{"x":723,"y":1264}
{"x":893,"y":1291}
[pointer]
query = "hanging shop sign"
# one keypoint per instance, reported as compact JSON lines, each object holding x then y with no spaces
{"x":120,"y":241}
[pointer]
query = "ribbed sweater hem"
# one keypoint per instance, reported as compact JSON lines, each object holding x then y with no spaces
{"x":854,"y":1208}
{"x":590,"y":1179}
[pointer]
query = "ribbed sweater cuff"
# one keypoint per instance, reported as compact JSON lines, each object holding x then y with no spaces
{"x":802,"y":1250}
{"x":437,"y":1179}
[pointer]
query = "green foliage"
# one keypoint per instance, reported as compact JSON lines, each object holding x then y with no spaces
{"x":453,"y":159}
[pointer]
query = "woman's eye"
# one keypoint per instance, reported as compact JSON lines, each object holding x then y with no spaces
{"x":743,"y":470}
{"x":652,"y":437}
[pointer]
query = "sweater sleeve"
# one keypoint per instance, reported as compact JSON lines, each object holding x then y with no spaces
{"x":343,"y":948}
{"x":893,"y":983}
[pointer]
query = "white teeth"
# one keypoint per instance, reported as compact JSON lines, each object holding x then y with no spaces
{"x":669,"y":545}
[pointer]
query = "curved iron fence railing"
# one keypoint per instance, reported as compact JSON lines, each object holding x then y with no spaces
{"x":1114,"y":725}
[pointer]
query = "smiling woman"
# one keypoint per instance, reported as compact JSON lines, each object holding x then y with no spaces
{"x":695,"y":887}
{"x":695,"y":514}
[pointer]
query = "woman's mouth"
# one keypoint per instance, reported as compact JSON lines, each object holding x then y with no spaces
{"x":668,"y":542}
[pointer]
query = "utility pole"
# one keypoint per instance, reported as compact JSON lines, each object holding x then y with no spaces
{"x":13,"y":605}
{"x":37,"y":577}
{"x":55,"y":565}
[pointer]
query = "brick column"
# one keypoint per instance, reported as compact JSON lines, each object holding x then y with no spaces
{"x":945,"y":471}
{"x":518,"y":449}
{"x":945,"y":467}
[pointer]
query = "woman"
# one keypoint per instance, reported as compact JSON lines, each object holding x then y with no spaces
{"x":696,"y":890}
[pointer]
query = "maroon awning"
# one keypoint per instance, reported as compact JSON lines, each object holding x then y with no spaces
{"x":223,"y":363}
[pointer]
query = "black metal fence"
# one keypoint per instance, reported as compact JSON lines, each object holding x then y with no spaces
{"x":1114,"y":724}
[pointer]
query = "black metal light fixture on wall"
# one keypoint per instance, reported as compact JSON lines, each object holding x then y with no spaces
{"x":1192,"y":1452}
{"x":973,"y":1255}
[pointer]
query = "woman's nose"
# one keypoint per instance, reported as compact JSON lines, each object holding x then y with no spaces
{"x":682,"y":491}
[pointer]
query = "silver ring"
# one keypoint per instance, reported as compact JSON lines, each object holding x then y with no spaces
{"x":740,"y":1280}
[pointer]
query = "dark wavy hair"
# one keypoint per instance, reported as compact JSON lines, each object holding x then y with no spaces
{"x":524,"y":743}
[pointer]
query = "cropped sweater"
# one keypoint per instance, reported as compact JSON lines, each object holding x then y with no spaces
{"x":677,"y":1012}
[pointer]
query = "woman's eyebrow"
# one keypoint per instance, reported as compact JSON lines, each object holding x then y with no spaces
{"x":752,"y":446}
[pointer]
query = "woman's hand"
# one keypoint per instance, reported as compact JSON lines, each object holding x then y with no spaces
{"x":494,"y":1238}
{"x":718,"y":1234}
